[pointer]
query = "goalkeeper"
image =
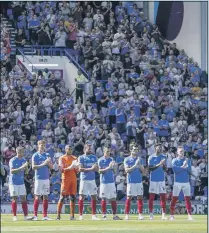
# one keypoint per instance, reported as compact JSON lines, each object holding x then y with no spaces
{"x":68,"y":167}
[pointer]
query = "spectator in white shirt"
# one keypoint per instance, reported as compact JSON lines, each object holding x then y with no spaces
{"x":88,"y":21}
{"x":33,"y":115}
{"x":120,"y":182}
{"x":71,"y":137}
{"x":119,"y":35}
{"x":174,"y":126}
{"x":99,"y":152}
{"x":150,"y":145}
{"x":60,"y":38}
{"x":60,"y":132}
{"x":191,"y":128}
{"x":181,"y":122}
{"x":114,"y":134}
{"x":130,"y":92}
{"x":86,"y":125}
{"x":106,"y":4}
{"x":115,"y":47}
{"x":195,"y":173}
{"x":58,"y":153}
{"x":144,"y":64}
{"x":47,"y":102}
{"x":4,"y":140}
{"x":80,"y":35}
{"x":18,"y":115}
{"x":107,"y":46}
{"x":97,"y":16}
{"x":108,"y":64}
{"x":131,"y":129}
{"x":140,"y":89}
{"x":47,"y":132}
{"x":51,"y":18}
{"x":178,"y":78}
{"x":170,"y":157}
{"x":203,"y":172}
{"x":31,"y":105}
{"x":80,"y":115}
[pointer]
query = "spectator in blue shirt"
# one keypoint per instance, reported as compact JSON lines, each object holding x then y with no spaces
{"x":133,"y":75}
{"x":30,"y":196}
{"x":55,"y":181}
{"x":54,"y":196}
{"x":120,"y":158}
{"x":164,"y":126}
{"x":33,"y":26}
{"x":120,"y":119}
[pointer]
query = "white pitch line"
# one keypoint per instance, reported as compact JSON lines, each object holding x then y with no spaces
{"x":41,"y":65}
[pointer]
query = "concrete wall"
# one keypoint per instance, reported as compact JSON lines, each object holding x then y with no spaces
{"x":151,"y":14}
{"x":190,"y":37}
{"x":70,"y":74}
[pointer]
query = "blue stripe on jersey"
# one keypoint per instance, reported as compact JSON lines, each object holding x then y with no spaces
{"x":43,"y":172}
{"x":181,"y":175}
{"x":135,"y":175}
{"x":158,"y":174}
{"x":108,"y":176}
{"x":16,"y":178}
{"x":87,"y":161}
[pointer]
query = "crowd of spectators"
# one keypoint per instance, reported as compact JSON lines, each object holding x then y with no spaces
{"x":5,"y":45}
{"x":150,"y":92}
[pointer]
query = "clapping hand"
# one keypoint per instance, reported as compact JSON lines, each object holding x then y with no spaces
{"x":162,"y":162}
{"x":184,"y":164}
{"x":47,"y":161}
{"x":24,"y":166}
{"x":137,"y":162}
{"x":94,"y":167}
{"x":112,"y":164}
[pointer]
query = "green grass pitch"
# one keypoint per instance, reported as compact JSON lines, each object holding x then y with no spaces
{"x":180,"y":225}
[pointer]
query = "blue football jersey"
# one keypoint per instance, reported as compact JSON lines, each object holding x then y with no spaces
{"x":43,"y":172}
{"x":135,"y":175}
{"x":108,"y":176}
{"x":181,"y":175}
{"x":16,"y":178}
{"x":158,"y":174}
{"x":87,"y":161}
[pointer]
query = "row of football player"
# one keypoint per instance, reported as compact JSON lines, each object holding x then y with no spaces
{"x":87,"y":164}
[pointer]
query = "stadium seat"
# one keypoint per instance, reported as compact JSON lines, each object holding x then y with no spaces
{"x":94,"y":106}
{"x":21,"y":24}
{"x":37,"y":10}
{"x":39,"y":131}
{"x":124,"y":138}
{"x":39,"y":137}
{"x":10,"y":14}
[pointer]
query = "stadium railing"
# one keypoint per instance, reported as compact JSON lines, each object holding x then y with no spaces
{"x":51,"y":50}
{"x":48,"y":50}
{"x":25,"y":59}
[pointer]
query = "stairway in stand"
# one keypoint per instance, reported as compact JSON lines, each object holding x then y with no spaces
{"x":13,"y":33}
